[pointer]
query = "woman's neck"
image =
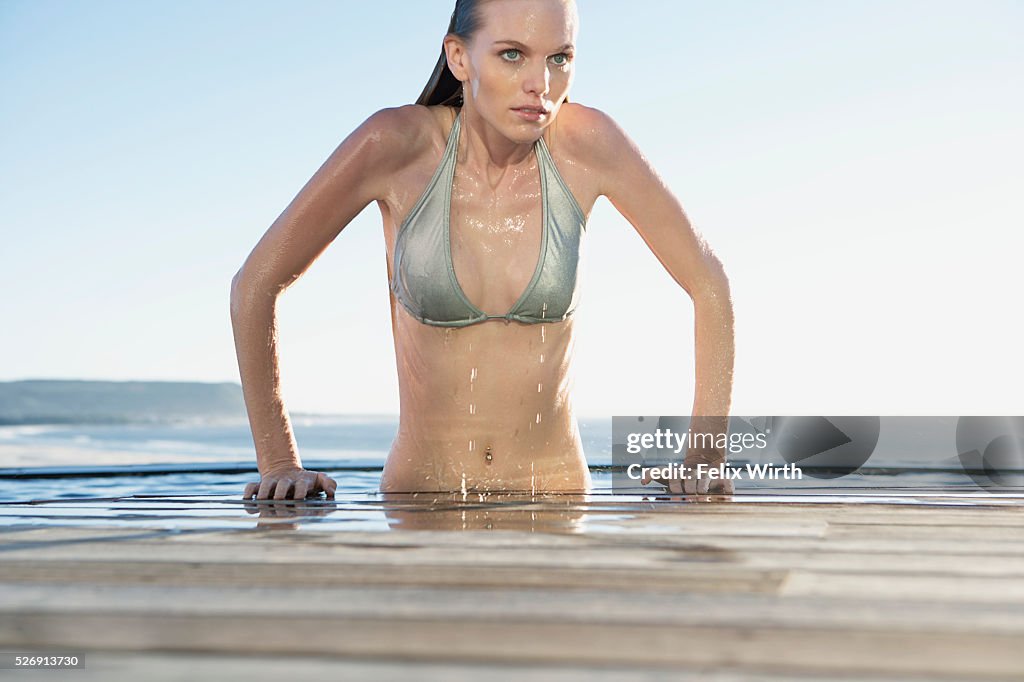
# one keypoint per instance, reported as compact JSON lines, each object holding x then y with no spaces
{"x":484,"y":149}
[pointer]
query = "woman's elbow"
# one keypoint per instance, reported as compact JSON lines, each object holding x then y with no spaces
{"x":713,"y":289}
{"x":713,"y":282}
{"x":244,"y":293}
{"x":236,"y":296}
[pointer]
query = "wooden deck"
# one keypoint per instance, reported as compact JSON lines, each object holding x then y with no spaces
{"x":556,"y":589}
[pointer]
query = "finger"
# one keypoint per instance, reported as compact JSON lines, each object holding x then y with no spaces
{"x":722,"y":487}
{"x":645,"y":478}
{"x":302,"y":489}
{"x":330,"y":487}
{"x":675,"y":486}
{"x":703,"y":485}
{"x":250,"y":490}
{"x":284,"y":487}
{"x":266,"y":488}
{"x":690,"y":486}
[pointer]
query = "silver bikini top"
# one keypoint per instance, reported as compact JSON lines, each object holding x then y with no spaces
{"x":423,"y":277}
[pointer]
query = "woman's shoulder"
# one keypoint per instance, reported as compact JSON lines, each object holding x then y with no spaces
{"x":411,"y":123}
{"x":588,"y":133}
{"x":576,"y":115}
{"x":405,"y":132}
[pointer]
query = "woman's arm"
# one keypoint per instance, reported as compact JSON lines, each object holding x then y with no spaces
{"x":355,"y":174}
{"x":641,"y":196}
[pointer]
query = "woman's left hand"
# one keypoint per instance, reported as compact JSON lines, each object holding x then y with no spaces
{"x":690,"y":482}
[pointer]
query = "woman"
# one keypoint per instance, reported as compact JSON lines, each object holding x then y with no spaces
{"x":484,"y":187}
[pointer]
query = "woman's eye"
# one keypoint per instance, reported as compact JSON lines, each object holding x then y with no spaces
{"x":561,"y":59}
{"x":513,"y":58}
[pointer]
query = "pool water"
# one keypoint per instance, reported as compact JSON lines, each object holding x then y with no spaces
{"x":197,"y":500}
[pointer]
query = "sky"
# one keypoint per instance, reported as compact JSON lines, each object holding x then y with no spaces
{"x":856,"y":166}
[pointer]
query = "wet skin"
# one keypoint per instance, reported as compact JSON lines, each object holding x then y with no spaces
{"x":485,"y":407}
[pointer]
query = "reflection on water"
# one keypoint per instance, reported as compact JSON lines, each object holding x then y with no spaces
{"x":486,"y":511}
{"x":440,"y":511}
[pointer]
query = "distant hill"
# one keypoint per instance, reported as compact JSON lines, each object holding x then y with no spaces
{"x":45,"y":401}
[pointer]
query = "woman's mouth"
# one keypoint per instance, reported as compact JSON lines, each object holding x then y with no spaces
{"x":530,"y":113}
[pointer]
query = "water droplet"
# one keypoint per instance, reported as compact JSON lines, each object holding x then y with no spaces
{"x":472,"y":408}
{"x":471,"y":446}
{"x":542,"y":334}
{"x":539,"y":387}
{"x":472,"y":374}
{"x":542,"y":358}
{"x":538,"y":417}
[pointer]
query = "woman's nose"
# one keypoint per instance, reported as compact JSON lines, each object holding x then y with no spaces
{"x":537,"y":80}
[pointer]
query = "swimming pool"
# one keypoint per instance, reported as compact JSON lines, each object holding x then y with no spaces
{"x":183,"y":500}
{"x":191,"y":475}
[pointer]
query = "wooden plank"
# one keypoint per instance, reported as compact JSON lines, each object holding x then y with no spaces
{"x":312,"y":575}
{"x":912,"y":532}
{"x":959,"y":540}
{"x":627,"y":554}
{"x":176,"y":667}
{"x":785,"y":589}
{"x":950,"y":589}
{"x":817,"y":651}
{"x":694,"y":561}
{"x":550,"y":604}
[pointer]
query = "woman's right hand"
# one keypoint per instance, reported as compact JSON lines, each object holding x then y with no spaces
{"x":290,"y":483}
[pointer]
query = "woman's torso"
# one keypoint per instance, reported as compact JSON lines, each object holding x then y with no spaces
{"x":485,"y":406}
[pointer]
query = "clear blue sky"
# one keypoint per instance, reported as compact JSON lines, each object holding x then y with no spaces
{"x":856,"y":165}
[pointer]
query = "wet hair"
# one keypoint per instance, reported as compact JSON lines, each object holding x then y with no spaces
{"x":443,"y":87}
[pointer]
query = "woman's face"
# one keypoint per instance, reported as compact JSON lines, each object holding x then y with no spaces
{"x":520,"y":57}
